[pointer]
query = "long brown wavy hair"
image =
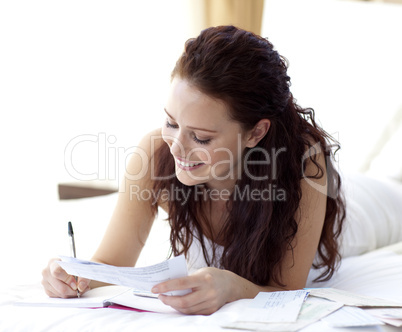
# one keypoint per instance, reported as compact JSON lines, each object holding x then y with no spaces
{"x":245,"y":72}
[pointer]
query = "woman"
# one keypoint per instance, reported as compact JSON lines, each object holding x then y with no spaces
{"x":244,"y":173}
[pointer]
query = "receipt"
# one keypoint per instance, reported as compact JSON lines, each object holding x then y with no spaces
{"x":139,"y":278}
{"x":275,"y":307}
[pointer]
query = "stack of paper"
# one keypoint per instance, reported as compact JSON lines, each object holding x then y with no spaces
{"x":388,"y":312}
{"x":352,"y":299}
{"x":284,"y":311}
{"x":294,"y":310}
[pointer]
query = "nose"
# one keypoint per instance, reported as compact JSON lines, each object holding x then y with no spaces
{"x":177,"y":148}
{"x":175,"y":142}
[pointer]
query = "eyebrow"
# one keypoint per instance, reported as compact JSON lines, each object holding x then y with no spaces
{"x":193,"y":128}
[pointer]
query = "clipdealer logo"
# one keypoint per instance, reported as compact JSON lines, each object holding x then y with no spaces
{"x":111,"y":159}
{"x":112,"y":163}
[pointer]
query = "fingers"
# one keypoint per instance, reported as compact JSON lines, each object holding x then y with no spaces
{"x":192,"y":304}
{"x":203,"y":300}
{"x":58,"y":273}
{"x":176,"y":284}
{"x":58,"y":283}
{"x":83,"y":285}
{"x":209,"y":287}
{"x":57,"y":288}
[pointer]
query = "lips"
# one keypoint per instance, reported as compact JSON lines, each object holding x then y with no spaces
{"x":188,"y":165}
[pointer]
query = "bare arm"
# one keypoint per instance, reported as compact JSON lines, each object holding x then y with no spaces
{"x":128,"y":229}
{"x":133,"y":217}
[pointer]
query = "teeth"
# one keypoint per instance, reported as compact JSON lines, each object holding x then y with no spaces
{"x":182,"y":163}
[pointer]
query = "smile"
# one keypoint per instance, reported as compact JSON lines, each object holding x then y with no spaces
{"x":186,"y":165}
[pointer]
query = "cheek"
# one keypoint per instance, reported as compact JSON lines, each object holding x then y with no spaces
{"x":200,"y":154}
{"x":166,"y":135}
{"x":228,"y":156}
{"x":227,"y":152}
{"x":222,"y":157}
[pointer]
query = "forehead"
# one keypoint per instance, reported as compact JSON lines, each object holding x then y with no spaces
{"x":186,"y":101}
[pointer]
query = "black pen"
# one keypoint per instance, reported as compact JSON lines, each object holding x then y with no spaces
{"x":71,"y":235}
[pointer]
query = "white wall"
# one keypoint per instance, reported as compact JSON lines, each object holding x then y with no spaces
{"x":345,"y":62}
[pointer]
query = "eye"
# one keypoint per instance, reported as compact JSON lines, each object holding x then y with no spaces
{"x":195,"y":138}
{"x":171,"y":125}
{"x":199,"y":141}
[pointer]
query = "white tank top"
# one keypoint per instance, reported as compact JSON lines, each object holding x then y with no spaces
{"x":195,"y":256}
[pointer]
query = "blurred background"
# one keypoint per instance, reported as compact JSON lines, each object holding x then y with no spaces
{"x":82,"y":81}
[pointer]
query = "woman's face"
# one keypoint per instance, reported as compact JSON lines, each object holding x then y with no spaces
{"x":206,"y":144}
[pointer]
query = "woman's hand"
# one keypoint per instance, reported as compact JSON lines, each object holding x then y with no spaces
{"x":211,"y":289}
{"x":58,"y":283}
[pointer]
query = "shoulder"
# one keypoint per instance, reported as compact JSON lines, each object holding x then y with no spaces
{"x":139,"y":157}
{"x":144,"y":151}
{"x":151,"y":142}
{"x":314,"y":182}
{"x":142,"y":169}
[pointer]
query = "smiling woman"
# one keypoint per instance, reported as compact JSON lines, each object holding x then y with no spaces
{"x":244,"y":174}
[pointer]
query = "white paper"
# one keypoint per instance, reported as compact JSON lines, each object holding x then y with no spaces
{"x":129,"y":299}
{"x":313,"y":309}
{"x":393,"y":313}
{"x":101,"y":297}
{"x":351,"y":317}
{"x":140,"y":278}
{"x":93,"y":298}
{"x":391,"y":316}
{"x":275,"y":307}
{"x":351,"y":299}
{"x":391,"y":321}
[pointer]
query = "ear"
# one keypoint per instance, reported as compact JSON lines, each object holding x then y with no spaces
{"x":258,"y":132}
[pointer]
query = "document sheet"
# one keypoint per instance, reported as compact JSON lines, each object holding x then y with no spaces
{"x":391,"y":316}
{"x":274,"y":307}
{"x":351,"y":317}
{"x":94,"y":298}
{"x":313,"y":309}
{"x":140,"y":278}
{"x":351,"y":299}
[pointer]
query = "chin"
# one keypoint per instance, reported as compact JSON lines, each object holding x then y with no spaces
{"x":189,"y":180}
